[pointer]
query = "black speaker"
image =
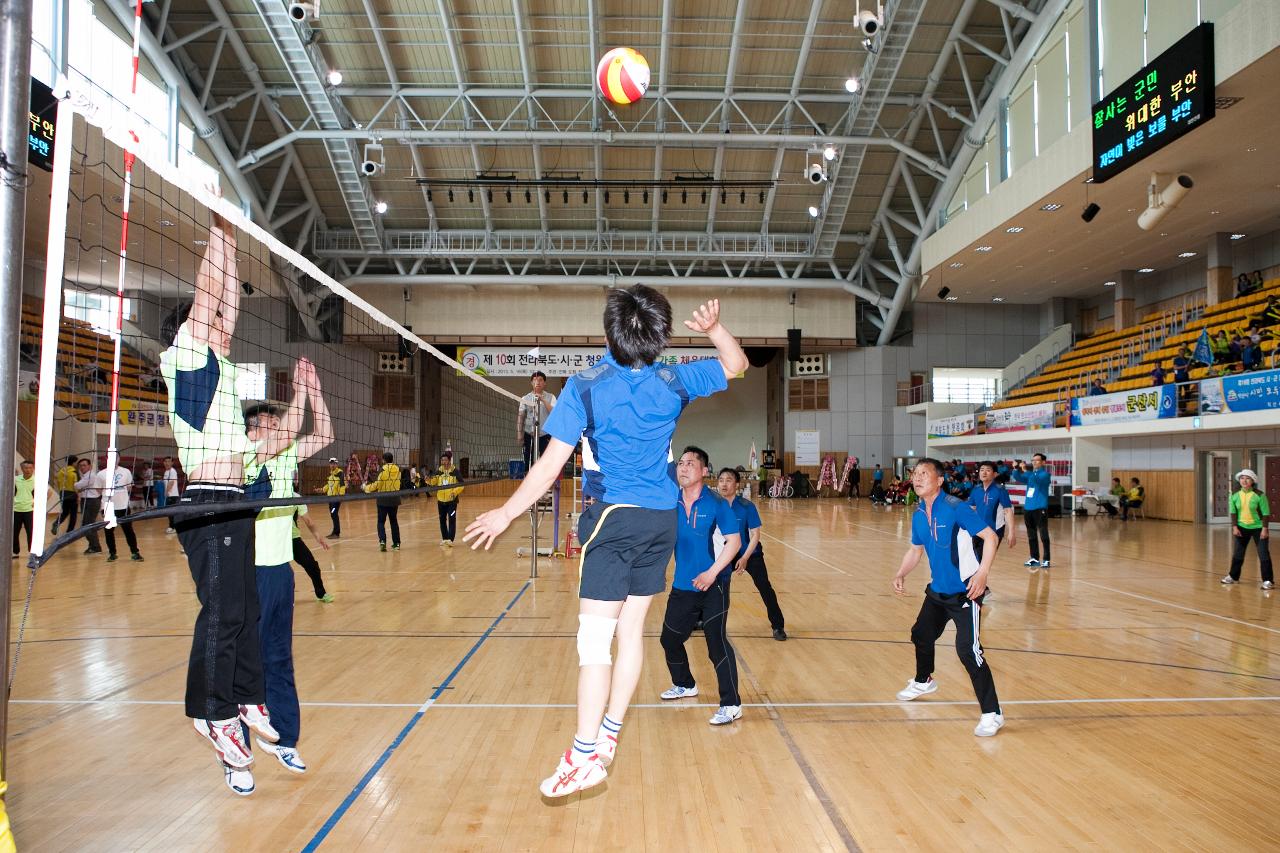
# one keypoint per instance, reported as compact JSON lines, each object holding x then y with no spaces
{"x":1089,"y":212}
{"x":793,"y":344}
{"x":942,"y":294}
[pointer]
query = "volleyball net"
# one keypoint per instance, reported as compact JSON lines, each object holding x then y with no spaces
{"x":158,"y":291}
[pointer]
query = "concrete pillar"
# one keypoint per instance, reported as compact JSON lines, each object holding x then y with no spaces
{"x":1126,"y":289}
{"x":1219,"y":281}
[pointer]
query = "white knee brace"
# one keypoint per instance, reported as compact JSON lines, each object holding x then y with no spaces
{"x":595,"y":639}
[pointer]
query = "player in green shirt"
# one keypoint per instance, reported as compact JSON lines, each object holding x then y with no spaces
{"x":24,"y":503}
{"x":1250,"y":515}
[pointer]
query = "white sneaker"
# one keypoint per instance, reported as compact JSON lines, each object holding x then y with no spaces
{"x":238,"y":779}
{"x":287,"y":755}
{"x":1044,"y":564}
{"x":606,"y":746}
{"x":1033,"y":563}
{"x":1229,"y":579}
{"x":680,"y":692}
{"x":989,"y":724}
{"x":726,"y":714}
{"x":228,"y":741}
{"x":1268,"y":585}
{"x":170,"y":530}
{"x":570,"y":778}
{"x":257,"y":718}
{"x":916,"y":689}
{"x":442,"y":541}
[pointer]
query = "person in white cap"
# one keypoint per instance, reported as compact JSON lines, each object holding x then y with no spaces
{"x":335,"y":486}
{"x":1250,"y":515}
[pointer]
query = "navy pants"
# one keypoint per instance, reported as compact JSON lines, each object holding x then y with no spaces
{"x":275,"y":630}
{"x":684,"y":609}
{"x":391,"y":514}
{"x":335,"y":507}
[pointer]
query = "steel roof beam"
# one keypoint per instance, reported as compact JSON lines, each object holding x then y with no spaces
{"x":526,"y":69}
{"x":802,"y":61}
{"x":445,"y":10}
{"x":735,"y":50}
{"x":664,"y":46}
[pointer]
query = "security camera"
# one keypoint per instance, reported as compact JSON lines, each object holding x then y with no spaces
{"x":1161,"y":202}
{"x":299,"y":12}
{"x":869,"y":22}
{"x":816,"y":173}
{"x":374,"y":162}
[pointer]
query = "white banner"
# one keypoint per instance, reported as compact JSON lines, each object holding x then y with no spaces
{"x":1038,"y":416}
{"x":954,"y":425}
{"x":807,"y":443}
{"x":519,"y":360}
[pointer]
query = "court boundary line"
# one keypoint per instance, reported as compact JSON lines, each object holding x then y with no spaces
{"x":817,"y":560}
{"x":1178,"y":606}
{"x":343,"y":807}
{"x":676,"y":705}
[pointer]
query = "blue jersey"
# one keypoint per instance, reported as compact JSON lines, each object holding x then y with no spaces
{"x":947,"y":537}
{"x":989,"y":502}
{"x":1037,"y":483}
{"x":625,"y":418}
{"x":695,"y":535}
{"x":748,"y":519}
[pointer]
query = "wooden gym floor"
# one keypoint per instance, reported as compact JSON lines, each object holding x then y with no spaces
{"x":1141,"y":702}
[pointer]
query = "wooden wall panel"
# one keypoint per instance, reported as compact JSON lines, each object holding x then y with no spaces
{"x":1170,"y":494}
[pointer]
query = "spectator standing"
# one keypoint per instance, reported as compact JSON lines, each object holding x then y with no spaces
{"x":91,"y":494}
{"x":335,"y":485}
{"x":148,"y":485}
{"x":65,"y":482}
{"x":24,"y":503}
{"x":1097,"y":389}
{"x":535,"y":407}
{"x":116,"y":489}
{"x":1158,"y":375}
{"x":1250,"y":515}
{"x":1037,"y":478}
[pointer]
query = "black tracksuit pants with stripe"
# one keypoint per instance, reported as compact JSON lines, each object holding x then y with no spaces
{"x":684,"y":609}
{"x":935,"y":612}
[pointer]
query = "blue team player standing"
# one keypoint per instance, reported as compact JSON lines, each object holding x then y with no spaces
{"x":990,"y":500}
{"x":1037,"y":479}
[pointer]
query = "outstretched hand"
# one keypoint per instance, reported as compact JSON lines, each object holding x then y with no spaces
{"x":486,"y":529}
{"x":705,"y":317}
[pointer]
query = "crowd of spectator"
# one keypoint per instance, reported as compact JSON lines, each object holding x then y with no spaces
{"x":1239,"y":351}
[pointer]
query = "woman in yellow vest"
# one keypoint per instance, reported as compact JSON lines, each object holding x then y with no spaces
{"x":388,"y":481}
{"x":335,"y":486}
{"x":445,"y":477}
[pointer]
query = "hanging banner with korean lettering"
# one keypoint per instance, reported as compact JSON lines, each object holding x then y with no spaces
{"x":1163,"y":101}
{"x":953,"y":426}
{"x":1247,"y":392}
{"x":1147,"y":404}
{"x":520,"y":360}
{"x":1038,"y":416}
{"x":43,"y":109}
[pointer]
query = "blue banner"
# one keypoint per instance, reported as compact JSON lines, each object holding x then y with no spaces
{"x":1147,"y":404}
{"x":1244,"y":392}
{"x":1203,"y":352}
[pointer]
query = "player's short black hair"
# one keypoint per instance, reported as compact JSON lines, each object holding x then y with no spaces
{"x":536,"y":374}
{"x":1043,"y":458}
{"x":388,"y":457}
{"x":27,"y":462}
{"x":71,"y":460}
{"x":933,"y":463}
{"x":260,"y":409}
{"x":698,"y":452}
{"x":737,"y":478}
{"x":637,"y":325}
{"x":987,"y":463}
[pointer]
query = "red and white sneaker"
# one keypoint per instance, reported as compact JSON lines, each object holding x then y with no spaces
{"x":257,"y":718}
{"x":570,"y":778}
{"x":228,"y":740}
{"x":606,"y":746}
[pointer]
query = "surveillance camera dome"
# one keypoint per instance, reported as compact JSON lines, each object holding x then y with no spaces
{"x":369,"y":168}
{"x":300,"y":12}
{"x":816,"y":173}
{"x":869,"y":22}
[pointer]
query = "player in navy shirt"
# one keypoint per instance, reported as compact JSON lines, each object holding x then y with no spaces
{"x":992,"y":504}
{"x":700,"y":589}
{"x":943,"y":528}
{"x":750,"y":557}
{"x":624,"y":410}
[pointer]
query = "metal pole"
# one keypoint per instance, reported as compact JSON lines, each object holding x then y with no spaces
{"x":15,"y":111}
{"x":533,"y":461}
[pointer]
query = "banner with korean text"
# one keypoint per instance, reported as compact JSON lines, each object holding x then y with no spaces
{"x":1246,"y":392}
{"x":953,"y":426}
{"x":1146,"y":404}
{"x":519,"y":360}
{"x":1014,"y":418}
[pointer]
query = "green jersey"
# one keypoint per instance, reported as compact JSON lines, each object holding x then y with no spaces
{"x":204,"y":407}
{"x":1249,"y":508}
{"x":24,"y":494}
{"x":273,"y":531}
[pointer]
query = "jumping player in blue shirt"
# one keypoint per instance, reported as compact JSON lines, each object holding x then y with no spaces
{"x":624,"y":410}
{"x":944,"y":527}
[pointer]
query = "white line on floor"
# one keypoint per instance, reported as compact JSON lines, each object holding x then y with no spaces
{"x":805,"y":554}
{"x":1178,"y":606}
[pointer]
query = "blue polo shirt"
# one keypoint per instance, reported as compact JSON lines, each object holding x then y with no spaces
{"x":748,"y":519}
{"x":625,"y":418}
{"x":1037,"y":483}
{"x":989,"y":502}
{"x":695,"y":532}
{"x":947,"y":539}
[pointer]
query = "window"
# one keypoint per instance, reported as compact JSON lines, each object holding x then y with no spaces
{"x":251,"y":381}
{"x":960,"y":385}
{"x":96,"y":309}
{"x":808,"y":395}
{"x":391,"y":391}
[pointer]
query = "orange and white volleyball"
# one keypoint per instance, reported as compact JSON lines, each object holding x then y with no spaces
{"x":622,"y":75}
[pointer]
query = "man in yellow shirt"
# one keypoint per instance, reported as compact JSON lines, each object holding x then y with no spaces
{"x":447,"y":498}
{"x":65,"y":482}
{"x":24,"y":503}
{"x":335,"y":486}
{"x":388,"y":480}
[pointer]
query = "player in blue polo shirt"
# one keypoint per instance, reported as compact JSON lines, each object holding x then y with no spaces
{"x":1037,"y":479}
{"x":750,"y":557}
{"x":944,"y":527}
{"x":993,"y":506}
{"x":624,"y":410}
{"x":700,"y":589}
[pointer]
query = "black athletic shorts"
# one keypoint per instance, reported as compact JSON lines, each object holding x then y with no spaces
{"x":625,"y":550}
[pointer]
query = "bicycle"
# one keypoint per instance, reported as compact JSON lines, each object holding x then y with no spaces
{"x":781,"y":487}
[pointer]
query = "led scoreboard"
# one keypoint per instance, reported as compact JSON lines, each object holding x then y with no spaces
{"x":44,"y":109}
{"x":1161,"y":103}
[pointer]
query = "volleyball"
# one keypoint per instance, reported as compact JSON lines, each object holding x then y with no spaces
{"x":622,"y":75}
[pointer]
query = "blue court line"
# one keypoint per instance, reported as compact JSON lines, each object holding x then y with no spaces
{"x":346,"y":804}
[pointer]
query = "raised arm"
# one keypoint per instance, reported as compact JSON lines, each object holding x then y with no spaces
{"x":321,"y":425}
{"x":217,"y":299}
{"x":488,"y":526}
{"x":706,"y":319}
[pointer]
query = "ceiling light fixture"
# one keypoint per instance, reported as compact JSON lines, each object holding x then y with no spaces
{"x":829,"y":153}
{"x":813,"y":211}
{"x":852,"y":85}
{"x":1146,"y":269}
{"x":1050,"y":206}
{"x":997,"y":299}
{"x":953,"y":298}
{"x":380,"y":207}
{"x":201,"y":242}
{"x":1238,"y":236}
{"x":955,"y":265}
{"x":1108,"y":284}
{"x":1186,"y":254}
{"x":983,"y":249}
{"x":1014,"y":229}
{"x":335,"y":77}
{"x":166,"y":223}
